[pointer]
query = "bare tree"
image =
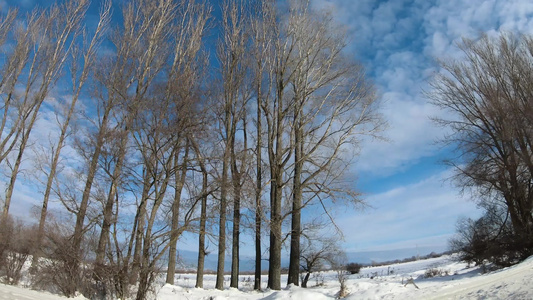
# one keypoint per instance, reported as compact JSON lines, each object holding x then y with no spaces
{"x":149,"y":142}
{"x":144,"y":49}
{"x":333,"y":105}
{"x":15,"y":248}
{"x":177,"y":121}
{"x":179,"y":182}
{"x":276,"y":112}
{"x":15,"y":107}
{"x":317,"y":253}
{"x":157,"y":235}
{"x":161,"y":157}
{"x":86,"y":56}
{"x":484,"y":241}
{"x":231,"y":52}
{"x":48,"y":40}
{"x":316,"y":105}
{"x":261,"y":55}
{"x":187,"y":70}
{"x":10,"y":76}
{"x":488,"y":94}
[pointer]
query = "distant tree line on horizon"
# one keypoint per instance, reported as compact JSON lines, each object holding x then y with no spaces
{"x":155,"y":132}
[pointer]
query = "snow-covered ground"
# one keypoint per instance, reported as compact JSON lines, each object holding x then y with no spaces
{"x":458,"y":281}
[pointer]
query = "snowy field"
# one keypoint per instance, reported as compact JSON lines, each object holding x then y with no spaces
{"x":456,"y":281}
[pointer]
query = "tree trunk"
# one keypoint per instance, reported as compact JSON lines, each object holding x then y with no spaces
{"x":274,"y":261}
{"x":139,"y":233}
{"x":234,"y":282}
{"x":294,"y":263}
{"x":22,"y":147}
{"x":50,"y":180}
{"x":179,"y":181}
{"x":237,"y":186}
{"x":13,"y":179}
{"x":222,"y":227}
{"x":276,"y":174}
{"x":144,"y":281}
{"x":201,"y":236}
{"x":147,"y":266}
{"x":258,"y":188}
{"x":91,"y":173}
{"x":108,"y":209}
{"x":306,"y":279}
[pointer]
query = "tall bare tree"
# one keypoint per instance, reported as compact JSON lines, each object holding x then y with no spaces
{"x":86,"y":57}
{"x":202,"y":252}
{"x":488,"y":93}
{"x":315,"y":101}
{"x":261,"y":46}
{"x":157,"y":236}
{"x":11,"y":71}
{"x":187,"y":70}
{"x":163,"y":157}
{"x":49,"y":37}
{"x":144,"y":48}
{"x":231,"y":52}
{"x":277,"y":110}
{"x":333,"y":105}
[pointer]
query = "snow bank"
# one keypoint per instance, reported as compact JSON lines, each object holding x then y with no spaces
{"x":8,"y":292}
{"x":455,"y":281}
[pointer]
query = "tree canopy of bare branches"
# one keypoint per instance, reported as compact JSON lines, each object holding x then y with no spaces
{"x":166,"y":132}
{"x":488,"y":95}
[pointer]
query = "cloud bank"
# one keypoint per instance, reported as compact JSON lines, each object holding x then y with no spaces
{"x":398,"y":41}
{"x":421,"y":214}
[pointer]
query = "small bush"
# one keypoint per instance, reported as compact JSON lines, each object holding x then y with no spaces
{"x":60,"y":268}
{"x":434,"y":272}
{"x":490,"y":239}
{"x":16,"y":244}
{"x":57,"y":271}
{"x":353,"y":268}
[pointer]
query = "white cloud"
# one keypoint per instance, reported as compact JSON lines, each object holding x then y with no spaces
{"x":410,"y":137}
{"x":398,"y":41}
{"x":27,"y":3}
{"x":28,"y":191}
{"x":423,"y":213}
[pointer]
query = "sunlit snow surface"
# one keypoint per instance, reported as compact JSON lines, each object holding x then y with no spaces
{"x":386,"y":282}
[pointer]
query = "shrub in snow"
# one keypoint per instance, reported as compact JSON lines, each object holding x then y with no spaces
{"x":490,"y":240}
{"x":434,"y":272}
{"x":60,"y":270}
{"x":55,"y":271}
{"x":353,"y":268}
{"x":16,"y":244}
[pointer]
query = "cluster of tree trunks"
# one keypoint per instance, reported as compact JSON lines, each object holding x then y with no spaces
{"x":164,"y":140}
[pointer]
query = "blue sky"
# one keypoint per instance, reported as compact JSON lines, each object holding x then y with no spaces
{"x":413,"y":206}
